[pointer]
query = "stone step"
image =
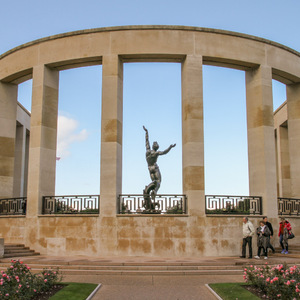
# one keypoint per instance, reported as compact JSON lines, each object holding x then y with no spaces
{"x":17,"y":250}
{"x":295,"y":247}
{"x":151,"y":272}
{"x":282,"y":256}
{"x":21,"y":254}
{"x":81,"y":272}
{"x":293,"y":250}
{"x":15,"y":247}
{"x":141,"y":269}
{"x":133,"y":268}
{"x":105,"y":263}
{"x":110,"y":267}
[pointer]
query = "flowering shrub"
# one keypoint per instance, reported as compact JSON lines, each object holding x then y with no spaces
{"x":17,"y":282}
{"x":280,"y":282}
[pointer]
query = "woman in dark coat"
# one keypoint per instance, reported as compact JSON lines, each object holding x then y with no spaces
{"x":263,"y":239}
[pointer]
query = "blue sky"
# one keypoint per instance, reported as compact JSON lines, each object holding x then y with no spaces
{"x":146,"y":100}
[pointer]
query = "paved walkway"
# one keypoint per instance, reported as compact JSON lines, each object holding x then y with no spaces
{"x":147,"y":287}
{"x":165,"y":287}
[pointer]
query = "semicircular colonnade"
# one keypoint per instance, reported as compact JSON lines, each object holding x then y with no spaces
{"x":262,"y":60}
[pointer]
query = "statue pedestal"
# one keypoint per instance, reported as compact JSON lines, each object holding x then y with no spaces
{"x":152,"y":212}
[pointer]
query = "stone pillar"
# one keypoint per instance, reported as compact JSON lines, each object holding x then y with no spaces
{"x":192,"y":134}
{"x":111,"y":134}
{"x":293,"y":106}
{"x":19,"y":161}
{"x":8,"y":115}
{"x":283,"y":162}
{"x":26,"y":162}
{"x":43,"y":136}
{"x":261,"y":138}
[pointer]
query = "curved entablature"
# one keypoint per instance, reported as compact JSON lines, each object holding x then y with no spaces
{"x":151,"y":43}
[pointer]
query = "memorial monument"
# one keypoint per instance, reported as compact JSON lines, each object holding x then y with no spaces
{"x":151,"y":189}
{"x":273,"y":151}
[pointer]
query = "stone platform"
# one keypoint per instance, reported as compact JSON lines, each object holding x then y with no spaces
{"x":151,"y":278}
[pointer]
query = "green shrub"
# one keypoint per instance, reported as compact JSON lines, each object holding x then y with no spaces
{"x":279,"y":282}
{"x":18,"y":282}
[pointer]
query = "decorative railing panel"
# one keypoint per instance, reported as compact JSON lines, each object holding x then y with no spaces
{"x":245,"y":205}
{"x":13,"y":206}
{"x":289,"y":206}
{"x":167,"y":204}
{"x":79,"y":204}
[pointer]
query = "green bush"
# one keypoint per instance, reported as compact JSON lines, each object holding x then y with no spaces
{"x":279,"y":282}
{"x":17,"y":282}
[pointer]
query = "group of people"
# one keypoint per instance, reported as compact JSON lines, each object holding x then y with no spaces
{"x":264,"y":233}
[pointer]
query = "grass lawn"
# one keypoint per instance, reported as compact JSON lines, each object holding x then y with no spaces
{"x":74,"y":290}
{"x":232,"y":291}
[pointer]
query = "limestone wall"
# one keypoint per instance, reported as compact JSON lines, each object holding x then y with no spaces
{"x":162,"y":236}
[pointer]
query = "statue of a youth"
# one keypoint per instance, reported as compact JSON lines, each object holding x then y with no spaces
{"x":151,"y":157}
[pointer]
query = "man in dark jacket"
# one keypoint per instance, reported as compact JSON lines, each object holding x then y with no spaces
{"x":265,"y":219}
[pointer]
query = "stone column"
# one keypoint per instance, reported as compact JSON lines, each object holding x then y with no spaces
{"x":111,"y":134}
{"x":19,"y":161}
{"x":27,"y":139}
{"x":192,"y":134}
{"x":283,"y":162}
{"x":8,"y":115}
{"x":293,"y":106}
{"x":43,"y":136}
{"x":261,"y":138}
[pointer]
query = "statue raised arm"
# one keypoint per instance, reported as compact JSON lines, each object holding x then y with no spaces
{"x":151,"y":158}
{"x":147,"y":139}
{"x":167,"y":150}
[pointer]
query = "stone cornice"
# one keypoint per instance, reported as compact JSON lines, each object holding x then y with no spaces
{"x":150,"y":27}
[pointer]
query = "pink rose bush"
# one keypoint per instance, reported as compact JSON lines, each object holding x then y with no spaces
{"x":279,"y":282}
{"x":17,"y":282}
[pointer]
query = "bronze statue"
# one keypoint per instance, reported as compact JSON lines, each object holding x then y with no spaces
{"x":151,"y":157}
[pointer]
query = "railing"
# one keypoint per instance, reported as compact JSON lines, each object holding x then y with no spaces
{"x":245,"y":205}
{"x":165,"y":204}
{"x":288,"y":206}
{"x":13,"y":206}
{"x":79,"y":204}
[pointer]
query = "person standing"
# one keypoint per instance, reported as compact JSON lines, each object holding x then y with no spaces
{"x":265,"y":219}
{"x":248,"y":232}
{"x":263,"y":239}
{"x":283,"y":233}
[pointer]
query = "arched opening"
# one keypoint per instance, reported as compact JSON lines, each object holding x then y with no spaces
{"x":225,"y":132}
{"x":152,"y":98}
{"x":79,"y":132}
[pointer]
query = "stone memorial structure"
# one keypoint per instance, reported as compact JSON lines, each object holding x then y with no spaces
{"x":272,"y":173}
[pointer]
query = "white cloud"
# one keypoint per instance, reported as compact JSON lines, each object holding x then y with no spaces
{"x":67,"y":134}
